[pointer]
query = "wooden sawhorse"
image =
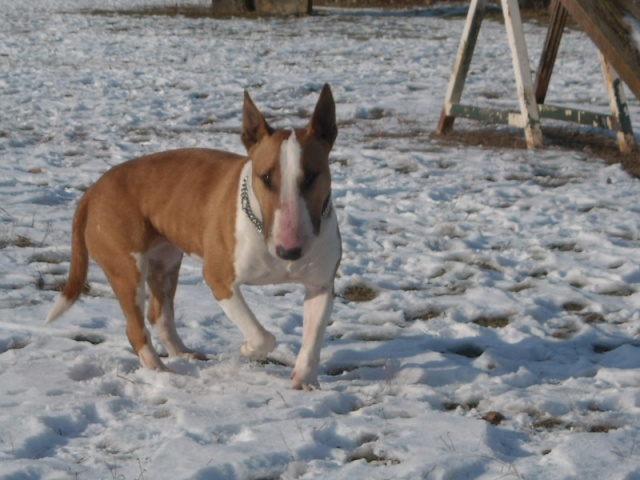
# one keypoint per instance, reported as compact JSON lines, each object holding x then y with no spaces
{"x":531,"y":98}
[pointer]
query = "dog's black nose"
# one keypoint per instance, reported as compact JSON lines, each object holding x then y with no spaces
{"x":288,"y":253}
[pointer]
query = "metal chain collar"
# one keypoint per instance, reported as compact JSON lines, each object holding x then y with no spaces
{"x":253,"y":218}
{"x":246,"y":206}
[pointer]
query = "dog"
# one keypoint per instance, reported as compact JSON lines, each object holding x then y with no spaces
{"x":264,"y":218}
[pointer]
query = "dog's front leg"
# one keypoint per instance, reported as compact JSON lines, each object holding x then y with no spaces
{"x":318,"y":303}
{"x":259,"y":341}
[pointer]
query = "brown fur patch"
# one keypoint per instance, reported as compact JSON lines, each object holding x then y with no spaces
{"x":266,"y":161}
{"x":188,"y":196}
{"x":315,"y":162}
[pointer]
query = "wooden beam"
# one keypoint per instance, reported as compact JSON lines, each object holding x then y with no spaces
{"x":575,"y":115}
{"x":463,"y":60}
{"x":621,"y":121}
{"x":521,"y":68}
{"x":604,"y":22}
{"x":550,"y":51}
{"x":487,"y":115}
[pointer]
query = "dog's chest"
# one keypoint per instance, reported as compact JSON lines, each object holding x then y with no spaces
{"x":256,"y":266}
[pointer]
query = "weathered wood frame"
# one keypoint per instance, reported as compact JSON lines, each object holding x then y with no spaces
{"x":530,"y":98}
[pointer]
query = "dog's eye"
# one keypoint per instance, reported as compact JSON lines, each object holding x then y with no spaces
{"x":309,"y":178}
{"x":266,"y":179}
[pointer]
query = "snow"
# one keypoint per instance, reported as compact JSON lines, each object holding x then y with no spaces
{"x":634,"y":30}
{"x":504,"y":280}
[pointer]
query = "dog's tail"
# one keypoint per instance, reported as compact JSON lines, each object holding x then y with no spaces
{"x":79,"y":265}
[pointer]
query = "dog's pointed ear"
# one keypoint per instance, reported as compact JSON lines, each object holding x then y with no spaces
{"x":323,"y":120}
{"x":254,"y":125}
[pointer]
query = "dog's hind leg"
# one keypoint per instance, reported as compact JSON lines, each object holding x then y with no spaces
{"x":127,"y":279}
{"x":162,"y":279}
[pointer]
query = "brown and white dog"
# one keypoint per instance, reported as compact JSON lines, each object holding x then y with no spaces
{"x":259,"y":219}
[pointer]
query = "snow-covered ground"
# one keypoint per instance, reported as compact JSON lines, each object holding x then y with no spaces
{"x":488,"y":280}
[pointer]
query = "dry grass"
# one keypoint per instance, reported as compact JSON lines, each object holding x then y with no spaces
{"x":426,"y":315}
{"x":359,"y":293}
{"x":573,"y":307}
{"x":550,"y":423}
{"x":19,"y":241}
{"x":492,"y":322}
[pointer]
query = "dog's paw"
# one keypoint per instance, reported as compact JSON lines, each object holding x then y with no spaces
{"x":307,"y":382}
{"x":149,"y":359}
{"x":259,"y":350}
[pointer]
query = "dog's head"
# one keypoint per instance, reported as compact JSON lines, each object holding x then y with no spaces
{"x":290,"y":175}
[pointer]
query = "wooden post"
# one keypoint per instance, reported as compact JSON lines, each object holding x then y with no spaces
{"x":463,"y":60}
{"x":521,"y":68}
{"x":621,"y":122}
{"x":550,"y":51}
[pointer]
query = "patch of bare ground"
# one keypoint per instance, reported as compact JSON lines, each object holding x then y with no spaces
{"x":358,"y":293}
{"x":594,"y":144}
{"x":550,"y":423}
{"x":527,"y":5}
{"x":492,"y":321}
{"x":532,"y":10}
{"x":20,"y":241}
{"x":425,"y":315}
{"x":390,"y":4}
